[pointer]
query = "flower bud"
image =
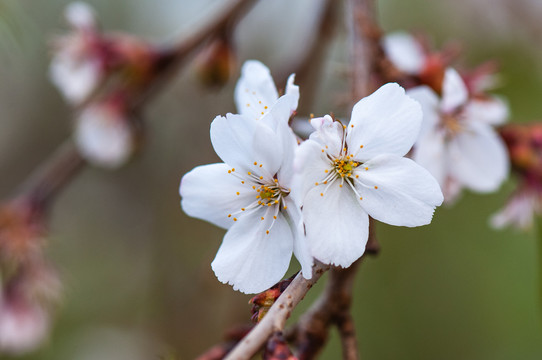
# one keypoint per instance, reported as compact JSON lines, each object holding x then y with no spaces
{"x":215,"y":63}
{"x":263,"y":301}
{"x":104,"y":133}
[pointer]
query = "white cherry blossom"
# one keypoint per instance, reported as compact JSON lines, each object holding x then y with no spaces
{"x":76,"y":67}
{"x":348,"y":173}
{"x":405,"y":52}
{"x":249,"y":194}
{"x":255,"y":92}
{"x":104,"y":134}
{"x":458,"y":143}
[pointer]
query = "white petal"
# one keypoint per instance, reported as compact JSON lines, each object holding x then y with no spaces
{"x":429,"y":101}
{"x":251,"y":260}
{"x":103,"y":136}
{"x":209,"y":193}
{"x":406,"y":193}
{"x":519,"y":211}
{"x":336,"y":225}
{"x":255,"y":91}
{"x":493,"y":111}
{"x":328,"y":133}
{"x":478,"y":158}
{"x":245,"y":144}
{"x":75,"y":79}
{"x":454,"y":91}
{"x":310,"y":166}
{"x":301,"y":248}
{"x":386,"y":122}
{"x":404,"y":52}
{"x":22,"y":328}
{"x":80,"y":15}
{"x":430,"y":152}
{"x":292,"y":91}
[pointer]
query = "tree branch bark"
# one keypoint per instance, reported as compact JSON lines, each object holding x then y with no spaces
{"x":276,"y":317}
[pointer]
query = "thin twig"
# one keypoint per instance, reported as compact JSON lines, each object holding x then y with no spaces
{"x":275,"y":318}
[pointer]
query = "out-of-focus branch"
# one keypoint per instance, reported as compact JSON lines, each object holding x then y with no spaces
{"x":56,"y":171}
{"x":277,"y":315}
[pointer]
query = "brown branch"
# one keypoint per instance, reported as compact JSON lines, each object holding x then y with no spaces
{"x":276,"y":317}
{"x":332,"y":308}
{"x":65,"y":163}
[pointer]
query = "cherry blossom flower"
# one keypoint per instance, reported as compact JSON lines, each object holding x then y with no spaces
{"x":255,"y":92}
{"x":405,"y":52}
{"x":23,"y":326}
{"x":520,"y":210}
{"x":348,"y":173}
{"x":457,"y":143}
{"x":104,"y":134}
{"x":77,"y":66}
{"x":249,"y":194}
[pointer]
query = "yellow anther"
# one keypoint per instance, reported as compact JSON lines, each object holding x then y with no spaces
{"x":229,"y":171}
{"x":323,"y":150}
{"x":276,"y":201}
{"x":326,"y":171}
{"x":321,"y":194}
{"x":262,"y":217}
{"x":344,"y":126}
{"x":361,"y":146}
{"x":376,"y":187}
{"x":357,"y":176}
{"x":249,"y":173}
{"x":265,"y":107}
{"x":237,"y":193}
{"x":352,"y":125}
{"x":242,"y":209}
{"x":285,"y":207}
{"x":360,"y":198}
{"x":257,"y":196}
{"x":316,"y":183}
{"x":261,"y":177}
{"x":311,"y":115}
{"x":259,"y":102}
{"x":234,"y":219}
{"x":254,"y":187}
{"x":255,"y":163}
{"x":325,"y":182}
{"x":248,"y":105}
{"x":261,"y":165}
{"x":232,"y":169}
{"x":229,"y":215}
{"x":267,"y":232}
{"x":242,"y":181}
{"x":366,"y":168}
{"x":263,"y":113}
{"x":341,"y":185}
{"x":274,"y":217}
{"x":276,"y":180}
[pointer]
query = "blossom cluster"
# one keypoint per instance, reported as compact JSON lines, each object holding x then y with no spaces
{"x":458,"y":142}
{"x":277,"y":197}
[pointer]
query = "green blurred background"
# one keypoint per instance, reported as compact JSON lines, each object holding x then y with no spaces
{"x":136,"y":270}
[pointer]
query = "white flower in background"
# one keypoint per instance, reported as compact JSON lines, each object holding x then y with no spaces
{"x":249,"y":194}
{"x":23,"y":326}
{"x":348,"y":173}
{"x":104,"y":134}
{"x":255,"y":92}
{"x":457,"y":143}
{"x":520,"y":210}
{"x":405,"y":52}
{"x":77,"y":67}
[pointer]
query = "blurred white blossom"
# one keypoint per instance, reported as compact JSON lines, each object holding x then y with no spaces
{"x":104,"y":134}
{"x":458,"y":143}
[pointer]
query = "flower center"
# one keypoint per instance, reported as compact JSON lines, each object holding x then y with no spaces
{"x":451,"y":124}
{"x":345,"y":167}
{"x":270,"y":194}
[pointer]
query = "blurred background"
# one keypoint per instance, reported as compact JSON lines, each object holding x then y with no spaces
{"x":136,"y":270}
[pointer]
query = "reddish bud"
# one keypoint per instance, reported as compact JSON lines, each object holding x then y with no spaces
{"x":277,"y":349}
{"x":263,"y":301}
